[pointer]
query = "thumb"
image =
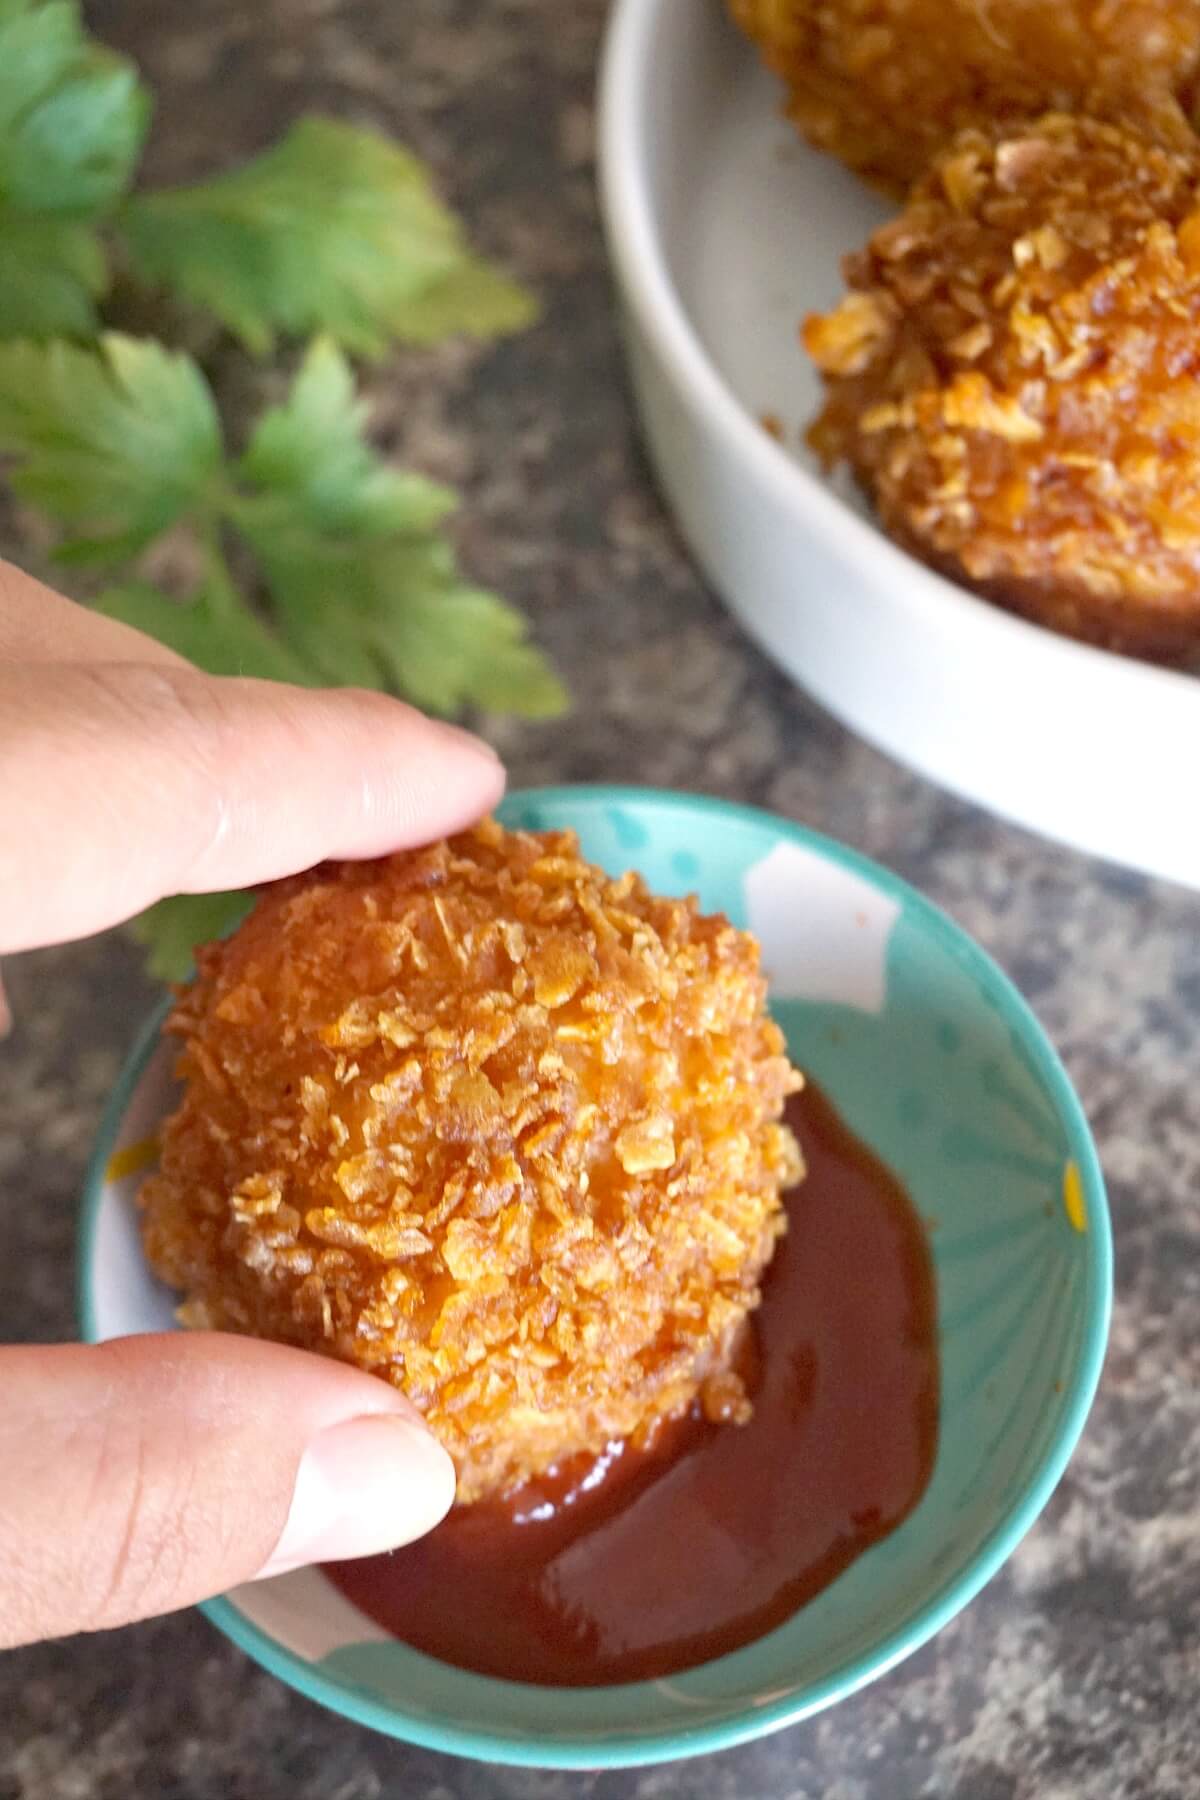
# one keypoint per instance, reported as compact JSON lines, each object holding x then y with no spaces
{"x":150,"y":1472}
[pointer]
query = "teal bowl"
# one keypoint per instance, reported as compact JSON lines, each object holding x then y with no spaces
{"x":933,"y":1058}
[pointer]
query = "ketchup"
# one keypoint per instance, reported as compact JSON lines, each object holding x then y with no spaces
{"x":639,"y":1563}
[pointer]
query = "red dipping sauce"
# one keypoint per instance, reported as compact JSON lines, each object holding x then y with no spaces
{"x":639,"y":1564}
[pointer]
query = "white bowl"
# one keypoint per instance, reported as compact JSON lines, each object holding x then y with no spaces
{"x":724,"y":230}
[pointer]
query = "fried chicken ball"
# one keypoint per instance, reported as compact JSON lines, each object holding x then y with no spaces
{"x":1014,"y":378}
{"x":884,"y":84}
{"x":493,"y":1125}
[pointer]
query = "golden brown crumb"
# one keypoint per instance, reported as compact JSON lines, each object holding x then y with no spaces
{"x":884,"y":84}
{"x":489,"y":1123}
{"x":1013,"y":377}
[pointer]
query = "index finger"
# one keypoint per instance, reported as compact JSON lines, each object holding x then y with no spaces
{"x":37,"y":626}
{"x":121,"y":783}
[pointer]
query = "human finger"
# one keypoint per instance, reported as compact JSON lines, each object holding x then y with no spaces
{"x":148,"y":1473}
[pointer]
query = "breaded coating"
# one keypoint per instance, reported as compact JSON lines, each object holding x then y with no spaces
{"x":1013,"y":378}
{"x":885,"y":84}
{"x":487,"y":1122}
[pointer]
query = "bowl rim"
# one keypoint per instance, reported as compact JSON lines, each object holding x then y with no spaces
{"x":948,"y":1599}
{"x":932,"y":601}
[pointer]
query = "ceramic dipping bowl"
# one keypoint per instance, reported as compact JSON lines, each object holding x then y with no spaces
{"x":932,"y":1057}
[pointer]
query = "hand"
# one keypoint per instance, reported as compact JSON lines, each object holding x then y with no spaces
{"x":151,"y":1472}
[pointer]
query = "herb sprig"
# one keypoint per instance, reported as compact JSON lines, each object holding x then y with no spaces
{"x":342,"y":572}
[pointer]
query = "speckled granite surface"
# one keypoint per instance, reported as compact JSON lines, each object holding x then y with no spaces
{"x":1076,"y":1674}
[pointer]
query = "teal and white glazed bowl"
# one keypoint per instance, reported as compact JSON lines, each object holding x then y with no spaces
{"x":933,"y":1058}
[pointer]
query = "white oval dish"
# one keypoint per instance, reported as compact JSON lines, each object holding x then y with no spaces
{"x":724,"y":230}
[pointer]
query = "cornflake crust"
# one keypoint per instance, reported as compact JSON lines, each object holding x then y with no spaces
{"x":885,"y":84}
{"x":484,"y":1121}
{"x":1012,"y":378}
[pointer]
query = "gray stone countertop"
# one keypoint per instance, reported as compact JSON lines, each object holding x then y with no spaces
{"x":1076,"y":1674}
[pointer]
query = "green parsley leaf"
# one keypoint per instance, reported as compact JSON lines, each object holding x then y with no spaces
{"x":364,"y":589}
{"x":213,"y":628}
{"x":52,"y":271}
{"x":474,"y":299}
{"x":72,"y":121}
{"x":119,"y":442}
{"x":450,"y":645}
{"x":312,"y":452}
{"x":172,"y":929}
{"x":333,"y":229}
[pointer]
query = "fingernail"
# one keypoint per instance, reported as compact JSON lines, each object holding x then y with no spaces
{"x":467,"y":740}
{"x":366,"y":1485}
